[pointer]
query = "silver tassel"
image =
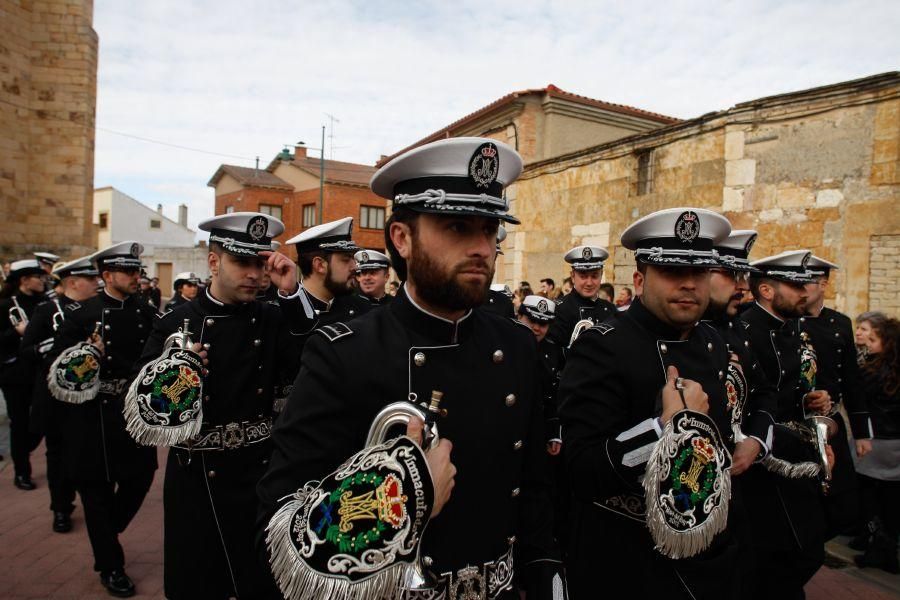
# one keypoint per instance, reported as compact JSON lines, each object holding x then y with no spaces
{"x":800,"y":470}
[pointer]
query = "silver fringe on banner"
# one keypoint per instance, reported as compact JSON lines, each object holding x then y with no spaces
{"x":355,"y":535}
{"x":74,"y":376}
{"x":688,"y":486}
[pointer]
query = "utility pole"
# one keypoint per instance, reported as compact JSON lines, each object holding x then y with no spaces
{"x":322,"y":175}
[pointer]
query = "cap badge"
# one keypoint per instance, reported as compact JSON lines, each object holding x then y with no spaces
{"x":364,"y":257}
{"x":687,"y":227}
{"x":135,"y":250}
{"x":484,"y":165}
{"x":805,"y":260}
{"x":750,"y":243}
{"x":257,"y":228}
{"x":587,"y":254}
{"x":542,"y":306}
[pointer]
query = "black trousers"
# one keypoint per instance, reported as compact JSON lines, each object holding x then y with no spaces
{"x":62,"y":489}
{"x":881,"y":499}
{"x":108,"y":509}
{"x":21,"y":440}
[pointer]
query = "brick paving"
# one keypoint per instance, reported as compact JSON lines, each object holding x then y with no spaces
{"x":37,"y":563}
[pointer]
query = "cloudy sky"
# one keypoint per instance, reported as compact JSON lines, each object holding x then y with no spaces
{"x":242,"y":79}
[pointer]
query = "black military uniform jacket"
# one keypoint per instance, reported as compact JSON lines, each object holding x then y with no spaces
{"x":760,"y":406}
{"x":500,"y":304}
{"x":485,"y":366}
{"x":831,"y":334}
{"x":210,"y":495}
{"x":552,"y":361}
{"x":12,"y":370}
{"x":96,"y":443}
{"x":176,"y":301}
{"x":36,"y":346}
{"x":573,"y":308}
{"x":610,"y":403}
{"x":270,"y":294}
{"x":351,"y":306}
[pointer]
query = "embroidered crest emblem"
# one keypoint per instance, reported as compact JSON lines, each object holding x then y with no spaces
{"x":587,"y":254}
{"x":688,"y":486}
{"x":805,"y":260}
{"x":687,"y":226}
{"x":74,"y":376}
{"x":358,"y":529}
{"x":257,"y":228}
{"x":484,"y":165}
{"x":164,"y":404}
{"x":542,"y":306}
{"x":135,"y":250}
{"x":808,"y":364}
{"x":364,"y":257}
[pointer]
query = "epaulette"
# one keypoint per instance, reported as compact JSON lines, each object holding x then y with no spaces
{"x":603,"y":328}
{"x":335,"y":331}
{"x":73,"y":306}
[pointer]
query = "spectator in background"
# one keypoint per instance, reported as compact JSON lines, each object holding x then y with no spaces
{"x":521,"y":293}
{"x":393,"y":287}
{"x":879,"y":470}
{"x":548,"y":289}
{"x":155,"y":292}
{"x":567,"y":286}
{"x":864,"y":324}
{"x":623,"y":300}
{"x":607,"y":292}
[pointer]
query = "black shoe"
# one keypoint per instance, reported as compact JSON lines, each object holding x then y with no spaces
{"x":881,"y":554}
{"x":62,"y":522}
{"x":23,"y":482}
{"x":117,"y":583}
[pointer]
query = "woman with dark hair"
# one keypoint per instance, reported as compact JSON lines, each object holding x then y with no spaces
{"x":879,"y":470}
{"x":864,"y":323}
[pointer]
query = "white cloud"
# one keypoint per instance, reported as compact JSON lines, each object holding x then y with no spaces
{"x":244,"y":78}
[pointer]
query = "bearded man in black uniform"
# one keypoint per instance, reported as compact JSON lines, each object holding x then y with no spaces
{"x":623,"y":382}
{"x":111,"y":472}
{"x":495,"y":529}
{"x":785,"y":508}
{"x":22,"y":292}
{"x":209,"y":495}
{"x":831,"y":334}
{"x":584,"y":301}
{"x":79,"y":283}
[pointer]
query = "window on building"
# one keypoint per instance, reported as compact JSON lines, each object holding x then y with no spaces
{"x":273,"y":210}
{"x":104,"y":220}
{"x":309,"y":215}
{"x":229,"y":209}
{"x":644,"y":177}
{"x":155,"y":224}
{"x":371,"y":217}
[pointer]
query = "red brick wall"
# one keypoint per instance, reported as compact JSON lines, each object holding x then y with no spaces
{"x":340,"y":201}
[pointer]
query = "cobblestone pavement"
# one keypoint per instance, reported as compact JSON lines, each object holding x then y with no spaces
{"x":37,"y":563}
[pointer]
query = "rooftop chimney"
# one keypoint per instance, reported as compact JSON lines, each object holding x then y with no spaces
{"x":182,"y":215}
{"x":159,"y":208}
{"x":299,"y":150}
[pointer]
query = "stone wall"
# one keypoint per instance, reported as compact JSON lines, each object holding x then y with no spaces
{"x":884,"y":274}
{"x":816,"y":169}
{"x":48,"y":75}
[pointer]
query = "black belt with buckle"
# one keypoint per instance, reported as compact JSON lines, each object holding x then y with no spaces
{"x":113,"y":387}
{"x":230,"y":436}
{"x":482,"y":582}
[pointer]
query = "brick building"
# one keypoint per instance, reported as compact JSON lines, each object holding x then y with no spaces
{"x":289,"y":188}
{"x":48,"y":87}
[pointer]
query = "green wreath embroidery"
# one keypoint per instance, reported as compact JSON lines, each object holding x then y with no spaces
{"x":709,"y":478}
{"x":172,"y":406}
{"x":348,"y":542}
